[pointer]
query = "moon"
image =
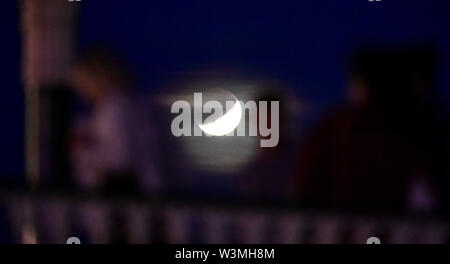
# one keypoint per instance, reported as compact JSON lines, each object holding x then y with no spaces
{"x":225,"y":124}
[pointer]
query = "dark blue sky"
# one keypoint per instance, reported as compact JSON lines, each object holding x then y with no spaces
{"x":303,"y":43}
{"x":12,"y":105}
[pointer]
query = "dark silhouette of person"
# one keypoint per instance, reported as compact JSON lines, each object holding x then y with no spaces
{"x":384,"y":149}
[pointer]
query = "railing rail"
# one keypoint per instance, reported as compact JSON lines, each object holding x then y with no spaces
{"x":52,"y":218}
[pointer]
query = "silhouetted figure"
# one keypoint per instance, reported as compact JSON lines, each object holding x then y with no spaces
{"x":383,"y":150}
{"x":268,"y":176}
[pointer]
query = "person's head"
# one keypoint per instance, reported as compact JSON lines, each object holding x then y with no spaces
{"x":389,"y":77}
{"x":98,"y":73}
{"x":370,"y":76}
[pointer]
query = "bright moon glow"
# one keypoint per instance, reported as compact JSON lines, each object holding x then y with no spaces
{"x":226,"y":123}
